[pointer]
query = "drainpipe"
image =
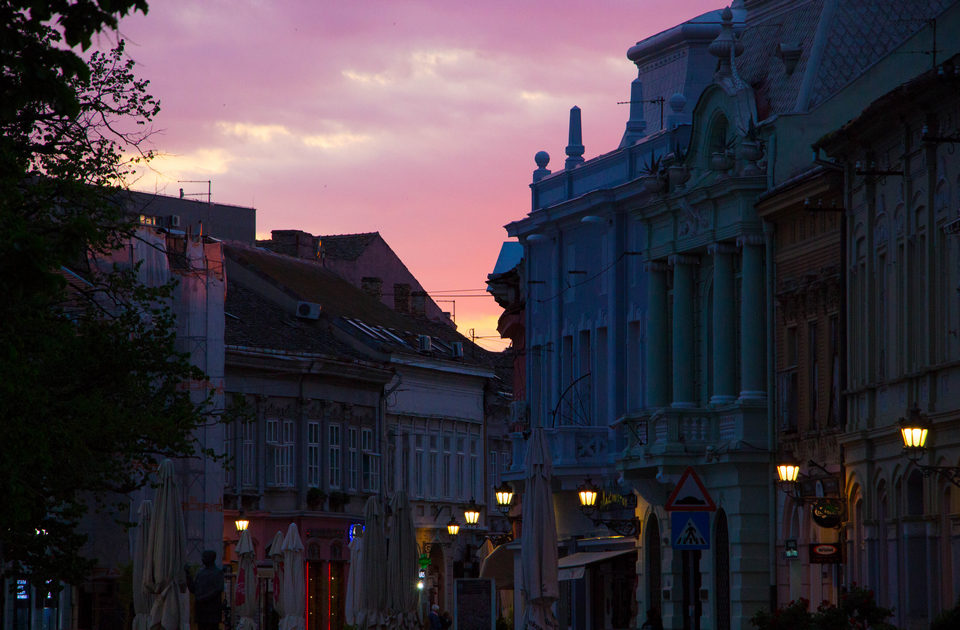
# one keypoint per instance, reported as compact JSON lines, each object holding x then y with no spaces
{"x":768,"y":233}
{"x":381,"y":429}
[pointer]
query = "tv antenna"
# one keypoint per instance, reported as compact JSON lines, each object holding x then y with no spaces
{"x":208,"y":194}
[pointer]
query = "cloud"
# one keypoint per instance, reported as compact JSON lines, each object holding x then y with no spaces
{"x":366,"y":78}
{"x":261,"y":133}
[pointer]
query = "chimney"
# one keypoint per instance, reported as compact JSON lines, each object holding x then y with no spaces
{"x":295,"y":243}
{"x":418,"y":303}
{"x":372,"y":286}
{"x":401,"y":298}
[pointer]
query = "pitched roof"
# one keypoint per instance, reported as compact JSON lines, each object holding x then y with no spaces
{"x":343,"y":305}
{"x":838,"y":42}
{"x":862,"y":33}
{"x":346,"y":246}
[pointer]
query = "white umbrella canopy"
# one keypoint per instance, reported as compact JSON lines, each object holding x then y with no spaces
{"x":373,"y":593}
{"x":402,"y":566}
{"x":245,"y":597}
{"x":538,"y":541}
{"x":142,"y":598}
{"x":163,"y":572}
{"x":276,"y":556}
{"x":294,"y":587}
{"x":352,"y":605}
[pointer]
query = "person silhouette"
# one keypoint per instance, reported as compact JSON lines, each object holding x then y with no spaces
{"x":207,"y":589}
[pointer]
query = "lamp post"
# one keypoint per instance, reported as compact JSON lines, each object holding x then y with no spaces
{"x":588,"y":493}
{"x":914,"y":430}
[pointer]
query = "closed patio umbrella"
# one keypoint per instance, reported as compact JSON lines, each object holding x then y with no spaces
{"x":373,"y":593}
{"x":163,"y":572}
{"x":402,"y":566}
{"x":276,"y":557}
{"x":352,"y":605}
{"x":245,"y":596}
{"x":538,"y":549}
{"x":142,"y":598}
{"x":294,"y":587}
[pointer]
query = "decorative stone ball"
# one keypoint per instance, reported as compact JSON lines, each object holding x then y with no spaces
{"x":542,"y":158}
{"x":677,"y":102}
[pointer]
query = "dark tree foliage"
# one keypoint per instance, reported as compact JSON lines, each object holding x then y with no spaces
{"x":92,"y":390}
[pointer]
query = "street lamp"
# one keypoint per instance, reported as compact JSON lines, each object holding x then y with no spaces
{"x":241,"y":523}
{"x":914,"y":429}
{"x":504,"y":495}
{"x":588,"y":494}
{"x":453,"y":527}
{"x":472,"y":513}
{"x":787,"y":472}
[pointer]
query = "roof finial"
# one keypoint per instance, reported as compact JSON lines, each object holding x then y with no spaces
{"x":636,"y":125}
{"x":542,"y":158}
{"x":575,"y":142}
{"x":726,"y":46}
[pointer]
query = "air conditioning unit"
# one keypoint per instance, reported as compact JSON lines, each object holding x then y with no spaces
{"x":175,"y":220}
{"x":424,"y":343}
{"x":456,"y":349}
{"x":308,"y":310}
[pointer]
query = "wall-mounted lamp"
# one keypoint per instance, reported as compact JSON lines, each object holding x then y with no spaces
{"x":471,"y":514}
{"x":588,"y":493}
{"x":914,"y":430}
{"x":241,"y":523}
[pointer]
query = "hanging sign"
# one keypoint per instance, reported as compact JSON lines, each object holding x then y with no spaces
{"x":825,"y":553}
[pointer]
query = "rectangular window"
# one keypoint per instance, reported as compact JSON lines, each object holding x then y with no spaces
{"x":475,"y":482}
{"x":459,"y":481}
{"x":333,"y":446}
{"x":280,"y":452}
{"x":371,"y":462}
{"x":313,"y":454}
{"x":833,"y":417}
{"x":433,"y":470}
{"x":445,"y":467}
{"x":813,"y":373}
{"x":353,"y":455}
{"x":405,"y":462}
{"x":248,"y":454}
{"x":230,"y":451}
{"x":419,"y":457}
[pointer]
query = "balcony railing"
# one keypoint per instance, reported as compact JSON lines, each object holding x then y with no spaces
{"x":571,"y":447}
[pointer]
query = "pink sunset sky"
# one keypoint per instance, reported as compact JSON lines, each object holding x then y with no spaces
{"x":419,"y":120}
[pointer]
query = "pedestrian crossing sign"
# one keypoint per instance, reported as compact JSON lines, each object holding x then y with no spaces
{"x":690,"y":530}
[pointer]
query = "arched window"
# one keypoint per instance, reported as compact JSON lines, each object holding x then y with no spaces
{"x":721,"y":572}
{"x":915,"y":494}
{"x":653,"y":567}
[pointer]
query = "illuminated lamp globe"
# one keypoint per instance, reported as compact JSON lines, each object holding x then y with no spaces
{"x":453,"y":527}
{"x":788,"y":472}
{"x":472,"y":513}
{"x":914,"y":430}
{"x":588,"y":494}
{"x":504,"y":495}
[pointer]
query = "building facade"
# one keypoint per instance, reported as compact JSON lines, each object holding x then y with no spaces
{"x":684,"y":295}
{"x":901,"y":181}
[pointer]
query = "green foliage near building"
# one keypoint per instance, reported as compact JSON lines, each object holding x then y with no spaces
{"x":856,"y":610}
{"x":93,"y":392}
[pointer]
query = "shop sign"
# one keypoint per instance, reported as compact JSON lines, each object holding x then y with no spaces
{"x":827,"y":513}
{"x":825,"y":553}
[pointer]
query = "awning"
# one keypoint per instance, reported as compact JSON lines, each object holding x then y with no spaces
{"x":572,"y":567}
{"x":499,"y":566}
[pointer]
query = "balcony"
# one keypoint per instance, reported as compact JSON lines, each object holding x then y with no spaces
{"x":671,"y":436}
{"x":577,"y":451}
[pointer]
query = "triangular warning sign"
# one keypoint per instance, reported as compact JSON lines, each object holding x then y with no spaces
{"x":690,"y":536}
{"x":690,"y":495}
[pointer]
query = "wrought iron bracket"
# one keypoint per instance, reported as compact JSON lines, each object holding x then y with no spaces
{"x":621,"y":526}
